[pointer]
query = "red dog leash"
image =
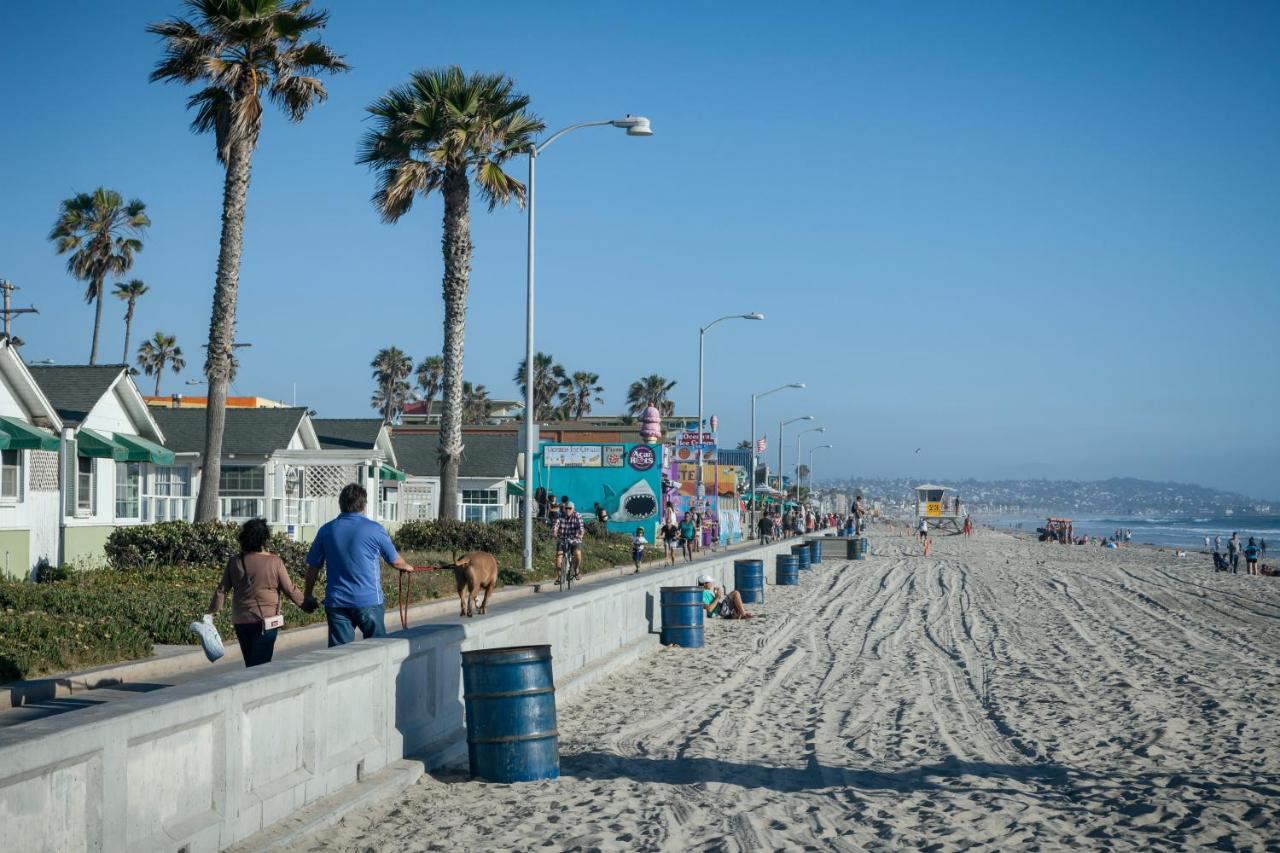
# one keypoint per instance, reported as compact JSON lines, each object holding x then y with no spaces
{"x":406,"y":590}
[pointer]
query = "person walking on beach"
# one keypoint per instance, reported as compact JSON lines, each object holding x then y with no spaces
{"x":1217,"y":544}
{"x":1206,"y":543}
{"x":922,"y":529}
{"x":1233,"y":552}
{"x":348,"y":550}
{"x":1251,"y":557}
{"x":765,"y":528}
{"x":255,"y":579}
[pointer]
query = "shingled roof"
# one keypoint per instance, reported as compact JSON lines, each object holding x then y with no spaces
{"x":482,"y":455}
{"x":74,"y":389}
{"x":249,"y":432}
{"x":347,"y":433}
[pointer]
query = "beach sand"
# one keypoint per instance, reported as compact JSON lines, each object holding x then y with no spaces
{"x":1000,"y":693}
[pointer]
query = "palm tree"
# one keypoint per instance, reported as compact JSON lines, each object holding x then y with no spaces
{"x":158,"y":352}
{"x":391,"y":369}
{"x":439,"y":132}
{"x":238,"y":51}
{"x":583,"y":390}
{"x":428,"y":376}
{"x":649,"y":391}
{"x":102,"y":233}
{"x":129,"y":292}
{"x":549,"y":379}
{"x":744,"y":445}
{"x":475,"y":403}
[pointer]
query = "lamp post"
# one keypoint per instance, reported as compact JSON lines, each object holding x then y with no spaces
{"x":802,"y":432}
{"x":752,"y":532}
{"x":702,"y":334}
{"x":635,"y":126}
{"x":781,"y":427}
{"x":811,"y":452}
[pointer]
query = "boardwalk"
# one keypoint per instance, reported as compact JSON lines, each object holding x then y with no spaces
{"x":1000,"y":692}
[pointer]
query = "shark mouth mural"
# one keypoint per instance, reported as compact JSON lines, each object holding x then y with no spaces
{"x":635,"y":504}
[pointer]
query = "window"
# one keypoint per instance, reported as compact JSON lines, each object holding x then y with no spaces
{"x":173,"y":481}
{"x":481,"y":505}
{"x":84,"y":485}
{"x":246,"y":480}
{"x":11,"y":475}
{"x":128,"y":481}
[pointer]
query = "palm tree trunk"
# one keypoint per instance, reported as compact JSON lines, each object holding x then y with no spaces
{"x":97,"y":321}
{"x":457,"y":271}
{"x":128,"y":322}
{"x":222,"y":323}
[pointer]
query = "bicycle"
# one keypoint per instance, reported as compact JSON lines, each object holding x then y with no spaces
{"x":569,"y":571}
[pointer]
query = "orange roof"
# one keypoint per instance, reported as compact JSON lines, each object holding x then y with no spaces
{"x":184,"y":402}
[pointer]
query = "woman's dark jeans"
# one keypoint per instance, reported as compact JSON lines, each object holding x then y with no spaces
{"x":256,"y":644}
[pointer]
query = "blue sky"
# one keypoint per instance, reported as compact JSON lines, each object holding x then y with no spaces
{"x":1030,"y":239}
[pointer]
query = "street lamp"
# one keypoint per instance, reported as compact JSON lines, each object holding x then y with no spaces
{"x":752,"y":532}
{"x":802,"y":432}
{"x":702,"y":333}
{"x":634,"y":126}
{"x":781,"y":427}
{"x":811,"y":452}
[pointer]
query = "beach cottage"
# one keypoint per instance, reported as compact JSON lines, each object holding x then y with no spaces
{"x":488,"y":481}
{"x":369,"y":436}
{"x":29,"y":506}
{"x":113,"y":467}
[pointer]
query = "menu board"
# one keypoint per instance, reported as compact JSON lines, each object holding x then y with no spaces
{"x":572,"y":455}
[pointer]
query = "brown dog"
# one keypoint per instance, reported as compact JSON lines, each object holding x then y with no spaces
{"x":474,"y":572}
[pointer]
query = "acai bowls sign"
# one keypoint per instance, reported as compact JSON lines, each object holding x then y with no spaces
{"x":624,"y":479}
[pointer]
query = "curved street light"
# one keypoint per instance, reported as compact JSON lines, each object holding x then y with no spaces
{"x":702,"y":333}
{"x":798,"y":435}
{"x":781,"y":427}
{"x":634,"y":126}
{"x":811,"y":452}
{"x":752,"y":532}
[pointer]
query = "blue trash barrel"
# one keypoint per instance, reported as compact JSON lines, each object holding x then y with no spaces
{"x":851,"y":548}
{"x":862,"y":548}
{"x":682,"y":616}
{"x":815,"y":552}
{"x":802,"y":554}
{"x":788,"y":569}
{"x":748,"y":580}
{"x":510,"y":701}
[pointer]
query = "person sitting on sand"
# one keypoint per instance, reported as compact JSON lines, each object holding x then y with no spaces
{"x":716,"y":603}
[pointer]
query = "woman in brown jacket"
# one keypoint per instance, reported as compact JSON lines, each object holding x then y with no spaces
{"x":255,"y":580}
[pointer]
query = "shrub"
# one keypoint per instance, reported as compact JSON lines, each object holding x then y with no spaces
{"x":447,"y":535}
{"x":35,"y":643}
{"x":182,"y":543}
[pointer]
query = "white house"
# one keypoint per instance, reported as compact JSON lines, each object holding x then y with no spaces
{"x":367,"y":435}
{"x":29,"y":504}
{"x":113,"y":469}
{"x":275,"y":467}
{"x":488,"y":484}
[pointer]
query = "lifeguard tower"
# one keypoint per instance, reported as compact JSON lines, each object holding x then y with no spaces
{"x":940,"y":511}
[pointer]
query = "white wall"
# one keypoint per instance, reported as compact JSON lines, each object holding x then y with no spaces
{"x":108,"y":415}
{"x":209,"y":764}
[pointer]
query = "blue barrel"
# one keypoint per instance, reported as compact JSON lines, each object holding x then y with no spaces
{"x":851,"y":548}
{"x":510,"y":702}
{"x":748,"y":580}
{"x":802,"y":554}
{"x":682,"y":616}
{"x":788,"y":568}
{"x":815,"y":552}
{"x":862,"y":548}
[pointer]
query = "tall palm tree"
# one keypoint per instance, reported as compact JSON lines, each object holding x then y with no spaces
{"x":475,"y":403}
{"x":160,"y":351}
{"x":549,"y":379}
{"x":239,"y":51}
{"x":440,"y":132}
{"x":129,"y":292}
{"x":103,"y":233}
{"x":583,"y":390}
{"x":429,"y":374}
{"x":391,"y":369}
{"x":651,"y":390}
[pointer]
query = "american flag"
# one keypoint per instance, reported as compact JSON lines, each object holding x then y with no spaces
{"x":761,"y":445}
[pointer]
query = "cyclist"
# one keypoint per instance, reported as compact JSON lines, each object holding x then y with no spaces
{"x":567,"y":531}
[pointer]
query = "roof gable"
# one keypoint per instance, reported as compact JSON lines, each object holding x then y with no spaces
{"x":25,"y":391}
{"x":354,"y":434}
{"x":482,"y":455}
{"x":74,"y":389}
{"x":248,"y":432}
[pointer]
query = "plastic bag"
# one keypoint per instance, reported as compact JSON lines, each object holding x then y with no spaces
{"x":209,"y":639}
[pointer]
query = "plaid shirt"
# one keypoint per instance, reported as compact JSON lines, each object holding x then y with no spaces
{"x":568,"y":528}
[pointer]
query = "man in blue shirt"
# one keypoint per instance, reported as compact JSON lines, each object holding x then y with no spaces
{"x":349,"y":548}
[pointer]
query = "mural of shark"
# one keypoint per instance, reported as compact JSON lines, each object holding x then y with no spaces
{"x":637,"y":503}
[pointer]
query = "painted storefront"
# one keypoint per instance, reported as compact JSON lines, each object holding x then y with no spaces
{"x":626,"y":479}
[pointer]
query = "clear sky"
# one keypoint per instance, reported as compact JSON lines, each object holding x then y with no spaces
{"x":1031,"y":239}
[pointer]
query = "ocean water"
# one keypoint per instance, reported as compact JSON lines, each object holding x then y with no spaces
{"x":1174,"y":532}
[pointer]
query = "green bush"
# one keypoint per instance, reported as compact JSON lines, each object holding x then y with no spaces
{"x":446,"y":535}
{"x":181,"y":543}
{"x":33,"y":642}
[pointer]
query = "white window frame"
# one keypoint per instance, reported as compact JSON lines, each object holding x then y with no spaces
{"x":243,"y":492}
{"x":122,"y":481}
{"x":483,"y":505}
{"x":86,"y":495}
{"x":18,"y":469}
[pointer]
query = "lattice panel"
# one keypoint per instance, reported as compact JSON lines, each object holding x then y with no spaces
{"x":42,"y":467}
{"x":415,"y":503}
{"x":328,"y":480}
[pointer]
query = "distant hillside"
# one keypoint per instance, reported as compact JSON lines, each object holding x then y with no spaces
{"x":1120,"y":495}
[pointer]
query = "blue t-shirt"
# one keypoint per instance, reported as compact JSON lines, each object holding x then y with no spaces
{"x":348,"y":549}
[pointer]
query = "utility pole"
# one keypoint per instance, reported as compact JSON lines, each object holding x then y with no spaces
{"x":9,"y":312}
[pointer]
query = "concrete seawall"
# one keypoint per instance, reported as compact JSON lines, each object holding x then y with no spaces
{"x":201,"y":766}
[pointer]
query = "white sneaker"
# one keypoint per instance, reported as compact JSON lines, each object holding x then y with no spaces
{"x":209,"y":639}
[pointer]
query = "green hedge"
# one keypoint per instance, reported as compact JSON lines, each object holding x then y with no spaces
{"x":497,"y":537}
{"x":35,"y":642}
{"x":181,"y":543}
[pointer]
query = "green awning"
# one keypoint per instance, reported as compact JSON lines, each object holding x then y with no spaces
{"x":16,"y":435}
{"x":514,"y":489}
{"x":386,"y":472}
{"x":90,"y":443}
{"x":141,"y":450}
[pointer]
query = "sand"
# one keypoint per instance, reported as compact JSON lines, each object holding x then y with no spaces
{"x":1001,"y":693}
